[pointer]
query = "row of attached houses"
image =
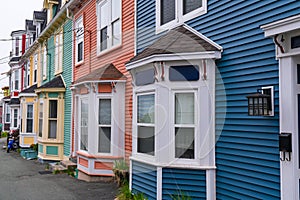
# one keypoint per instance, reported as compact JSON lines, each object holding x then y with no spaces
{"x":168,"y":87}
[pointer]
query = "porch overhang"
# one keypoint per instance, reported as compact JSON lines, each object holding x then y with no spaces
{"x":181,"y":43}
{"x":55,"y":85}
{"x":281,"y":26}
{"x":105,"y":74}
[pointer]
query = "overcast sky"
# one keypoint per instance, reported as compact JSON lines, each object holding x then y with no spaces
{"x":13,"y":14}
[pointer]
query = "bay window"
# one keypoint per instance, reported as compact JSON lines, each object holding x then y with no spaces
{"x":145,"y":124}
{"x":52,"y":119}
{"x":17,"y":78}
{"x":109,"y":24}
{"x":170,"y":13}
{"x":104,"y":140}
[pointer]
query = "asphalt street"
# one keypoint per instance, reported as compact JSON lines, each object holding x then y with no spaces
{"x":22,"y":179}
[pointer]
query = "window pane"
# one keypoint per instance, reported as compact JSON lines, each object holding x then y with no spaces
{"x":116,"y":32}
{"x":79,"y":51}
{"x":40,"y":127}
{"x":184,"y":108}
{"x":144,"y":77}
{"x":146,"y":109}
{"x":190,"y":5}
{"x":84,"y":125}
{"x":184,"y":73}
{"x":146,"y":140}
{"x":53,"y":109}
{"x":103,"y":39}
{"x":15,"y":117}
{"x":41,"y":119}
{"x":105,"y":15}
{"x":29,"y":123}
{"x":105,"y":111}
{"x":116,"y":8}
{"x":52,"y":129}
{"x":167,"y":11}
{"x":104,"y":139}
{"x":184,"y":143}
{"x":30,"y":111}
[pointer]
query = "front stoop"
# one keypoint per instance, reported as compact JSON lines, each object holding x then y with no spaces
{"x":69,"y":165}
{"x":89,"y":178}
{"x":57,"y":167}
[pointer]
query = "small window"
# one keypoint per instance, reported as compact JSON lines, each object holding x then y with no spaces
{"x":184,"y":125}
{"x":191,"y":5}
{"x":44,"y":62}
{"x":171,"y":13}
{"x":145,"y":123}
{"x":144,"y":77}
{"x":29,"y":119}
{"x":104,"y":144}
{"x":184,"y":73}
{"x":52,"y":119}
{"x":295,"y":42}
{"x":79,"y":39}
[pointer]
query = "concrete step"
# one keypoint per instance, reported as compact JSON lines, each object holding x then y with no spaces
{"x":69,"y":164}
{"x":57,"y":168}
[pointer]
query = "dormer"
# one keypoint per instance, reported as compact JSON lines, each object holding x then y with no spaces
{"x":30,"y":33}
{"x":39,"y":21}
{"x":52,"y":7}
{"x":17,"y":37}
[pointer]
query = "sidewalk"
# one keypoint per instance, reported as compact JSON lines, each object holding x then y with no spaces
{"x":25,"y":179}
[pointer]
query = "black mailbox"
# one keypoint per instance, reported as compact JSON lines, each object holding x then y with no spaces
{"x":285,"y":142}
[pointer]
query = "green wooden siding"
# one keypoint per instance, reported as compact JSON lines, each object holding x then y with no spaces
{"x":67,"y":75}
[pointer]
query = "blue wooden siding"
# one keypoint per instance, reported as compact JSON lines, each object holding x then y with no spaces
{"x":144,"y":179}
{"x":191,"y":183}
{"x":67,"y":75}
{"x":247,"y":154}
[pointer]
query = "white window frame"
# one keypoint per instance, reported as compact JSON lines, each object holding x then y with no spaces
{"x":110,"y":45}
{"x":41,"y":118}
{"x":35,"y":68}
{"x":53,"y":119}
{"x":44,"y":74}
{"x":15,"y":125}
{"x":58,"y":42}
{"x":195,"y":126}
{"x":17,"y":79}
{"x":180,"y":18}
{"x":136,"y":125}
{"x":7,"y":112}
{"x":112,"y":138}
{"x":79,"y":34}
{"x":30,"y":104}
{"x":82,"y":98}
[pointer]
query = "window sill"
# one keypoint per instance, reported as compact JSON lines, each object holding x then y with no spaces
{"x":78,"y":64}
{"x":164,"y":165}
{"x":90,"y":155}
{"x":58,"y":72}
{"x":102,"y":53}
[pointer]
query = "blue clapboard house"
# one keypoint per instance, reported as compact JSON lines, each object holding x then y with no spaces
{"x":201,"y":128}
